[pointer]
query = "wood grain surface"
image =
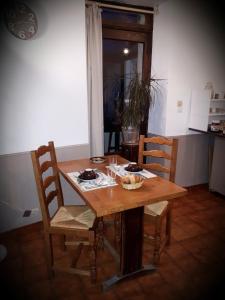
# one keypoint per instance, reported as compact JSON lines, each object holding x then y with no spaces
{"x":114,"y":199}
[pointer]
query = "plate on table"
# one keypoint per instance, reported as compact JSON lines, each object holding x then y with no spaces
{"x":97,"y":159}
{"x":88,"y":176}
{"x":133,"y":169}
{"x":88,"y":180}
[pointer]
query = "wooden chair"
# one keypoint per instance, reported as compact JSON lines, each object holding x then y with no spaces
{"x":158,"y":213}
{"x":77,"y":221}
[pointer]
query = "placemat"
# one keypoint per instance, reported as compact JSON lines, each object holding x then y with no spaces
{"x":102,"y":181}
{"x":120,"y":171}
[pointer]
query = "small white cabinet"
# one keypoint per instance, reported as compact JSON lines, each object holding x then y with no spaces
{"x":205,"y":109}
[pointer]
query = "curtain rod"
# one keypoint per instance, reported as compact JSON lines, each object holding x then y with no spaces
{"x":132,"y":9}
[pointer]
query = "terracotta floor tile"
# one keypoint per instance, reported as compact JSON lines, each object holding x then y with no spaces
{"x":207,"y":286}
{"x":192,"y":268}
{"x":196,"y":205}
{"x":188,"y":264}
{"x":110,"y":268}
{"x":67,"y":285}
{"x":177,"y":251}
{"x":34,"y":259}
{"x":127,"y":289}
{"x":108,"y":295}
{"x":78,"y":296}
{"x":148,"y":281}
{"x":179,"y":234}
{"x":28,"y":235}
{"x":90,"y":288}
{"x":13,"y":248}
{"x":165,"y":292}
{"x":12,"y":291}
{"x":169,"y":271}
{"x":139,"y":297}
{"x":220,"y":233}
{"x":208,"y":255}
{"x":211,"y":203}
{"x":32,"y":247}
{"x":37,"y":273}
{"x":12,"y":283}
{"x":39,"y":290}
{"x":194,"y":229}
{"x":189,"y":225}
{"x":182,"y":211}
{"x":210,"y":240}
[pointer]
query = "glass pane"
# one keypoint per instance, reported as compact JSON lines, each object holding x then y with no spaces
{"x":123,"y":17}
{"x":121,"y":61}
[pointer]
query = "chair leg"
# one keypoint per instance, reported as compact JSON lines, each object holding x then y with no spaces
{"x":49,"y":252}
{"x":157,"y":241}
{"x":93,"y":256}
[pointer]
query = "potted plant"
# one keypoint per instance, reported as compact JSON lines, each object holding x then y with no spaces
{"x":139,"y":98}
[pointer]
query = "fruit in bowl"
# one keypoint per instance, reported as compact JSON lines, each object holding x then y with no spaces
{"x":88,"y":174}
{"x":131,"y":182}
{"x":133,"y":167}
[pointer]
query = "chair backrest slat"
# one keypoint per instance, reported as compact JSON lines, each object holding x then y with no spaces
{"x":45,"y":166}
{"x":157,"y":167}
{"x":159,"y":140}
{"x":48,"y":185}
{"x":158,"y":153}
{"x":50,"y":196}
{"x":48,"y":181}
{"x":42,"y":150}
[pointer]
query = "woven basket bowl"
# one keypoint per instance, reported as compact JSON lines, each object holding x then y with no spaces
{"x":132,"y":186}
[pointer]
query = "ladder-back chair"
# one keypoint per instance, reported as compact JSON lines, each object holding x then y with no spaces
{"x":77,"y":221}
{"x":156,"y":213}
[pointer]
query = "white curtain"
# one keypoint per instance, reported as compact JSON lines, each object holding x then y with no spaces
{"x":95,"y":77}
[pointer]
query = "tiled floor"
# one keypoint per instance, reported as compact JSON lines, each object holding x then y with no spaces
{"x":193,"y":267}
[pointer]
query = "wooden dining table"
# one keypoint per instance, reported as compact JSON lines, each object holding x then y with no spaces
{"x":130,"y":203}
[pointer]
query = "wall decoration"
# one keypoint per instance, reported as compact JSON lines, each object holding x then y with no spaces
{"x":20,"y":20}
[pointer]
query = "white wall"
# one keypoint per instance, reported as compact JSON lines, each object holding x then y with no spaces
{"x":188,"y":51}
{"x":43,"y":88}
{"x":43,"y":96}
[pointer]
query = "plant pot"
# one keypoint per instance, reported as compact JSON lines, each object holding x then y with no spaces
{"x":130,"y":135}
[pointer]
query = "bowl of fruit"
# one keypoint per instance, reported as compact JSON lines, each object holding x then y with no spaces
{"x":88,"y":174}
{"x":132,"y":182}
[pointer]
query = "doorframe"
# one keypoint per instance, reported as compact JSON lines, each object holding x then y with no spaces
{"x":133,"y":33}
{"x":140,"y":33}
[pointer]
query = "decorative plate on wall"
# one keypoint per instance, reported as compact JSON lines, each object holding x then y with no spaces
{"x":21,"y":20}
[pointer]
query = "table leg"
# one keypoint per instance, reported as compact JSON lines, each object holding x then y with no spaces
{"x":131,"y":240}
{"x":131,"y":246}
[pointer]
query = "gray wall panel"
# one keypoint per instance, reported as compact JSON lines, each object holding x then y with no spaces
{"x":217,"y":179}
{"x":18,"y":189}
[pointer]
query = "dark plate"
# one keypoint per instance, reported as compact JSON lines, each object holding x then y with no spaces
{"x":135,"y":170}
{"x":97,"y":175}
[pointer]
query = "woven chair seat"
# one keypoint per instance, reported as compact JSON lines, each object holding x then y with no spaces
{"x":77,"y":217}
{"x":155,"y":209}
